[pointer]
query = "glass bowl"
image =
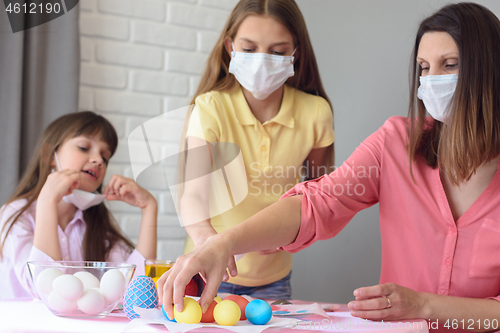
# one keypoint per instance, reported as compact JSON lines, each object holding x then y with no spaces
{"x":80,"y":288}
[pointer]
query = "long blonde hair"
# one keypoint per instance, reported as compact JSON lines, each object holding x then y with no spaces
{"x":216,"y":75}
{"x":102,"y":233}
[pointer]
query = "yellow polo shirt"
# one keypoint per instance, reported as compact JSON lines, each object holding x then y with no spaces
{"x":273,"y":153}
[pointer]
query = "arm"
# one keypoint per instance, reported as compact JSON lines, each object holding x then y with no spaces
{"x":317,"y":162}
{"x":46,"y":237}
{"x":321,"y":158}
{"x":209,"y":259}
{"x":146,"y":243}
{"x":127,"y":190}
{"x":311,"y":211}
{"x":468,"y":313}
{"x":195,"y":202}
{"x":18,"y":247}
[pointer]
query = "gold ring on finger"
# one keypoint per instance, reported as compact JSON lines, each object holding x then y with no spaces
{"x":389,"y":305}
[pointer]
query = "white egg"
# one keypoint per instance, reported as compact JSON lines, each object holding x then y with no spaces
{"x":46,"y":278}
{"x":91,"y":302}
{"x":68,"y":286}
{"x":61,"y":305}
{"x":112,"y":286}
{"x":88,"y":279}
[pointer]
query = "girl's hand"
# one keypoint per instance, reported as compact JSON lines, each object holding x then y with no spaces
{"x":209,"y":259}
{"x":387,"y":301}
{"x":59,"y":184}
{"x":127,"y":190}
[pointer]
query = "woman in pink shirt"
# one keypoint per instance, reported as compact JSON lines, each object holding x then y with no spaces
{"x":435,"y":179}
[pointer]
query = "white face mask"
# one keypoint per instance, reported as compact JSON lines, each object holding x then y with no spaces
{"x":436,"y":91}
{"x":81,"y":199}
{"x":261,"y":73}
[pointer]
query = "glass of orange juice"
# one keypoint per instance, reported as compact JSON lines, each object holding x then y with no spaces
{"x":155,"y":268}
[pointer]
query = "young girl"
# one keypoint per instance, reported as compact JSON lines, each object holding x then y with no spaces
{"x":261,"y":91}
{"x":436,"y":180}
{"x":40,"y":221}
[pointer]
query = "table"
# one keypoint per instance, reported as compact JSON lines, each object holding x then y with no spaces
{"x":32,"y":316}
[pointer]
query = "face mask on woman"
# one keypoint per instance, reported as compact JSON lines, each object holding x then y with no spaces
{"x":436,"y":91}
{"x":261,"y":73}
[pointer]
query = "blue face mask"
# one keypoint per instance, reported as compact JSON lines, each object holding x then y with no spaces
{"x":436,"y":91}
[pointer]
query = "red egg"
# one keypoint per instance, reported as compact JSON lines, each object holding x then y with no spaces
{"x":242,"y":303}
{"x":208,"y":317}
{"x":191,"y":289}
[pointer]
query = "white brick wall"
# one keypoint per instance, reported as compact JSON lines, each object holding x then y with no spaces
{"x":139,"y":59}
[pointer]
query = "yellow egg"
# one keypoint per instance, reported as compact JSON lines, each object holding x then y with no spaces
{"x":217,"y":299}
{"x":191,"y":313}
{"x":227,"y":313}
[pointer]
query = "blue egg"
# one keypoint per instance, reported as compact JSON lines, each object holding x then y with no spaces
{"x":165,"y":314}
{"x":258,"y":312}
{"x":142,"y":293}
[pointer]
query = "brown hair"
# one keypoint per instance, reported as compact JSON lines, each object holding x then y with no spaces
{"x":102,"y":232}
{"x":472,"y":134}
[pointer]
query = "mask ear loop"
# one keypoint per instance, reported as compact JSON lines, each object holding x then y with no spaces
{"x":292,"y":58}
{"x":233,"y":52}
{"x":57,"y":161}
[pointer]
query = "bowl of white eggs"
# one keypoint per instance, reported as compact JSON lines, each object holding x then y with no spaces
{"x":80,"y":288}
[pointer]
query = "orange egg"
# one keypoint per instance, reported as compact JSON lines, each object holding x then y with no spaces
{"x":208,"y":317}
{"x":242,"y":303}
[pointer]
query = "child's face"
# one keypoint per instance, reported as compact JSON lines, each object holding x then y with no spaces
{"x":87,"y":155}
{"x":438,"y":54}
{"x":262,"y":34}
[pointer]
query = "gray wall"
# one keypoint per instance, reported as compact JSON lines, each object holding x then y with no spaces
{"x":363,"y":48}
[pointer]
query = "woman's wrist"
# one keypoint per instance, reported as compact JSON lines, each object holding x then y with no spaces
{"x":226,"y":240}
{"x":426,"y":310}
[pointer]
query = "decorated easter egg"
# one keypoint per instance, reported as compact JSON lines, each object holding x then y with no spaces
{"x":217,"y":299}
{"x":46,"y":278}
{"x":68,"y":286}
{"x":191,"y":314}
{"x":88,"y":279}
{"x":142,"y":293}
{"x":91,"y":302}
{"x":258,"y":312}
{"x":208,"y":316}
{"x":61,"y":305}
{"x":165,"y":314}
{"x":242,"y":303}
{"x":112,"y":286}
{"x":227,"y":313}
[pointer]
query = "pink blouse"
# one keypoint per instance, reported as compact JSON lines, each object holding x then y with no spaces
{"x":15,"y":281}
{"x":423,"y":248}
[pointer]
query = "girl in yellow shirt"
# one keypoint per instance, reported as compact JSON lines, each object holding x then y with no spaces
{"x":260,"y":94}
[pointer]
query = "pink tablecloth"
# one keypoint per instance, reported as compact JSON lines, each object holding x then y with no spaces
{"x":33,"y":316}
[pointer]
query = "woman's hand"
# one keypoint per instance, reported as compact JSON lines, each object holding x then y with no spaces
{"x":127,"y":190}
{"x":388,"y":301}
{"x":209,"y":259}
{"x":199,"y":233}
{"x":58,"y":185}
